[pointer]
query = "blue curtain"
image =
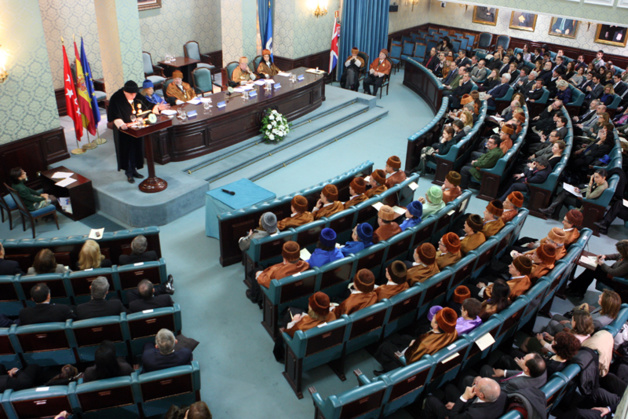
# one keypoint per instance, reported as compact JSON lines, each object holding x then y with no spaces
{"x":365,"y":26}
{"x":262,"y":10}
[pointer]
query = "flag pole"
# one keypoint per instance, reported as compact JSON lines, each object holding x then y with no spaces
{"x":78,"y":150}
{"x":100,"y":140}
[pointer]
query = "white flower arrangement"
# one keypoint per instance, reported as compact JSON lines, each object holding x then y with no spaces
{"x":275,"y":127}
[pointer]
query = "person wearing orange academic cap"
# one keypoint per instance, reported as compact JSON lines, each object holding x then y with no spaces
{"x":513,"y":201}
{"x":572,"y":220}
{"x":492,"y":218}
{"x":380,"y":68}
{"x":393,"y":164}
{"x":362,"y":295}
{"x":180,"y":89}
{"x":291,"y":264}
{"x":328,"y":203}
{"x":448,"y":250}
{"x":378,"y":183}
{"x":317,"y":313}
{"x":300,"y":214}
{"x":266,"y":66}
{"x":357,"y":187}
{"x":242,"y":74}
{"x":424,"y":265}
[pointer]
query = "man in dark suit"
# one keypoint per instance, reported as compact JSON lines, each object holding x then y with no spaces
{"x":559,"y":66}
{"x":163,"y":354}
{"x":546,"y":73}
{"x":536,"y":172}
{"x":8,"y":267}
{"x":44,"y":311}
{"x":498,"y":91}
{"x":521,"y":77}
{"x":138,"y":252}
{"x":98,"y":306}
{"x":594,"y":90}
{"x":618,"y":85}
{"x":532,"y":373}
{"x":146,"y":298}
{"x":463,"y":89}
{"x":462,"y":59}
{"x":535,"y":92}
{"x":505,"y":65}
{"x":482,"y":400}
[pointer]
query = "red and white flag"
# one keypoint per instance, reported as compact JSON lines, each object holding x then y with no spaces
{"x":333,"y":53}
{"x":71,"y":101}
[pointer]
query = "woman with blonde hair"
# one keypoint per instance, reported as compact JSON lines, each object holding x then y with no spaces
{"x":91,"y":258}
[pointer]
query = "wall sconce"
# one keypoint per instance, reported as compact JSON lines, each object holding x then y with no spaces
{"x":3,"y":60}
{"x":412,"y":3}
{"x":319,"y":7}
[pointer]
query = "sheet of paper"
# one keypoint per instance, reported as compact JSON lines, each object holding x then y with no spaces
{"x":377,"y":205}
{"x":497,"y":118}
{"x":626,"y":203}
{"x":260,"y":82}
{"x":195,"y":101}
{"x":96,"y":233}
{"x":305,"y":254}
{"x":284,"y":74}
{"x":589,"y":261}
{"x":244,"y":88}
{"x":413,"y":186}
{"x":65,"y":182}
{"x":314,"y":71}
{"x":61,"y":175}
{"x":485,"y":341}
{"x":571,"y":189}
{"x":399,"y":210}
{"x":449,"y":358}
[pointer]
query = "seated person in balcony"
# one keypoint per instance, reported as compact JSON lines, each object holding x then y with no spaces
{"x":357,"y":187}
{"x":31,"y":198}
{"x":543,"y":260}
{"x":328,"y":203}
{"x":452,"y":80}
{"x":392,"y":169}
{"x":448,"y":250}
{"x":534,"y":92}
{"x":432,"y":60}
{"x":362,"y":237}
{"x":480,"y":73}
{"x":555,"y":236}
{"x":267,"y":227}
{"x":500,"y":299}
{"x":597,"y":185}
{"x":386,"y":217}
{"x":536,"y":172}
{"x":532,"y":373}
{"x":491,"y":81}
{"x":571,"y":222}
{"x":442,"y":147}
{"x":396,"y":275}
{"x":451,"y":186}
{"x":138,"y":252}
{"x":44,"y":311}
{"x":179,"y":89}
{"x":242,"y":74}
{"x":523,"y":86}
{"x":380,"y":68}
{"x":464,"y":87}
{"x":106,"y":364}
{"x":351,"y":76}
{"x":267,"y":67}
{"x":493,"y":222}
{"x":433,"y":201}
{"x":45,"y":263}
{"x":473,"y":234}
{"x":8,"y":267}
{"x":512,"y":203}
{"x":163,"y":354}
{"x":469,"y":316}
{"x":505,"y":134}
{"x":424,"y":265}
{"x":362,"y":294}
{"x":499,"y":91}
{"x":148,"y":299}
{"x":290,"y":265}
{"x":414,"y":212}
{"x":326,"y":251}
{"x":19,"y":378}
{"x":519,"y":282}
{"x":563,"y":92}
{"x":148,"y":91}
{"x":377,"y":180}
{"x":485,"y":161}
{"x":317,"y":314}
{"x":300,"y":214}
{"x":441,"y":65}
{"x":99,"y":306}
{"x":91,"y":258}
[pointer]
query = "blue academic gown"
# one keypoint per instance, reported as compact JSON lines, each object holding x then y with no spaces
{"x":409,"y":222}
{"x":354,"y":247}
{"x":155,"y":99}
{"x":322,"y":257}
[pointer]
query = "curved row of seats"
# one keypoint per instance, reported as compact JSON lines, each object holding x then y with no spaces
{"x":237,"y":223}
{"x":427,"y":136}
{"x":333,"y":341}
{"x":403,"y":386}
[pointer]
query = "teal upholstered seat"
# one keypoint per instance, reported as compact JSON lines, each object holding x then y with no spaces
{"x":152,"y":72}
{"x":192,"y":50}
{"x":202,"y":79}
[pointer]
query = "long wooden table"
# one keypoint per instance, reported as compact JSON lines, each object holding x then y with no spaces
{"x":238,"y":120}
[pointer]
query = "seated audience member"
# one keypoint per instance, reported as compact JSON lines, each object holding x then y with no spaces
{"x":493,"y":222}
{"x":148,"y":299}
{"x":397,"y":277}
{"x":197,"y":410}
{"x":580,"y":326}
{"x":433,"y":201}
{"x":290,"y":265}
{"x":362,"y":294}
{"x":351,"y":76}
{"x":326,"y":250}
{"x":473,"y":234}
{"x":148,"y":91}
{"x":179,"y":89}
{"x":267,"y":226}
{"x":163,"y":355}
{"x":513,"y":201}
{"x":543,"y":259}
{"x":18,"y":378}
{"x":563,"y":92}
{"x":31,"y":198}
{"x":386,"y":217}
{"x":485,"y":161}
{"x":536,"y":172}
{"x":609,"y":305}
{"x":357,"y":187}
{"x":362,"y":237}
{"x":499,"y":300}
{"x":8,"y":267}
{"x":414,"y":212}
{"x":98,"y":306}
{"x":448,"y":250}
{"x":451,"y":186}
{"x":138,"y":252}
{"x":424,"y":265}
{"x":328,"y":203}
{"x":469,"y":316}
{"x":377,"y":180}
{"x":602,"y":272}
{"x":432,"y":61}
{"x":106,"y":364}
{"x":380,"y":68}
{"x":519,"y":281}
{"x":483,"y":399}
{"x":317,"y":313}
{"x":597,"y":185}
{"x":498,"y":91}
{"x":531,"y":373}
{"x":441,"y":147}
{"x":395,"y":176}
{"x":242,"y":74}
{"x":266,"y":67}
{"x":300,"y":214}
{"x":45,"y":263}
{"x":505,"y":134}
{"x":572,"y":220}
{"x":91,"y":258}
{"x":555,"y":236}
{"x":463,"y":88}
{"x":44,"y":311}
{"x":480,"y":73}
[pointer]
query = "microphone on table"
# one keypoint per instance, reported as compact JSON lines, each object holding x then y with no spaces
{"x":228,"y":191}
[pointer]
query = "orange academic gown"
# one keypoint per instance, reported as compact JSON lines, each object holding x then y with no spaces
{"x":421,"y":272}
{"x":328,"y":210}
{"x":355,"y":302}
{"x":297,"y":220}
{"x":390,"y":290}
{"x":386,"y":231}
{"x":281,"y":270}
{"x":307,"y":323}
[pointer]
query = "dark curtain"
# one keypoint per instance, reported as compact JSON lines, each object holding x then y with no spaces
{"x":365,"y":26}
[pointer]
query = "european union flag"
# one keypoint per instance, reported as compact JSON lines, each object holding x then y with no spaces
{"x":89,"y":83}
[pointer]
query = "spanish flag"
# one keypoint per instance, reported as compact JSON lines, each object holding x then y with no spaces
{"x":70,"y":97}
{"x":83,"y":96}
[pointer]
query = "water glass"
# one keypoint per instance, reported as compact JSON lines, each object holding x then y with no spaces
{"x":206,"y":106}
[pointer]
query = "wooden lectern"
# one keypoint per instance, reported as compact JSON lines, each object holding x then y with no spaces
{"x":151,"y":184}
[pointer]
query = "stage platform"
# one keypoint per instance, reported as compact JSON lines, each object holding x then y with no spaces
{"x":342,"y":113}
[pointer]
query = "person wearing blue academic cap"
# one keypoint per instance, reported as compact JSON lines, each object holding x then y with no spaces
{"x":326,"y":250}
{"x":413,"y":215}
{"x":148,"y":91}
{"x":362,"y":238}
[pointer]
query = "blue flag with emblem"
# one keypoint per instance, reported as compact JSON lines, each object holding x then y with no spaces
{"x":268,"y":36}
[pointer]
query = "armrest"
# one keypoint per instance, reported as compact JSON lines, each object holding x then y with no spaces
{"x":362,"y":379}
{"x":159,"y":70}
{"x":316,"y":397}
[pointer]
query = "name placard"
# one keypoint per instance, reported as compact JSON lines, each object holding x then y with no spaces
{"x":277,"y":86}
{"x":221,"y":104}
{"x":192,"y":114}
{"x":300,"y":77}
{"x":252,"y":93}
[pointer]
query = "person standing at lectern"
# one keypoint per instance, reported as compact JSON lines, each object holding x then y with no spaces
{"x":124,"y":106}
